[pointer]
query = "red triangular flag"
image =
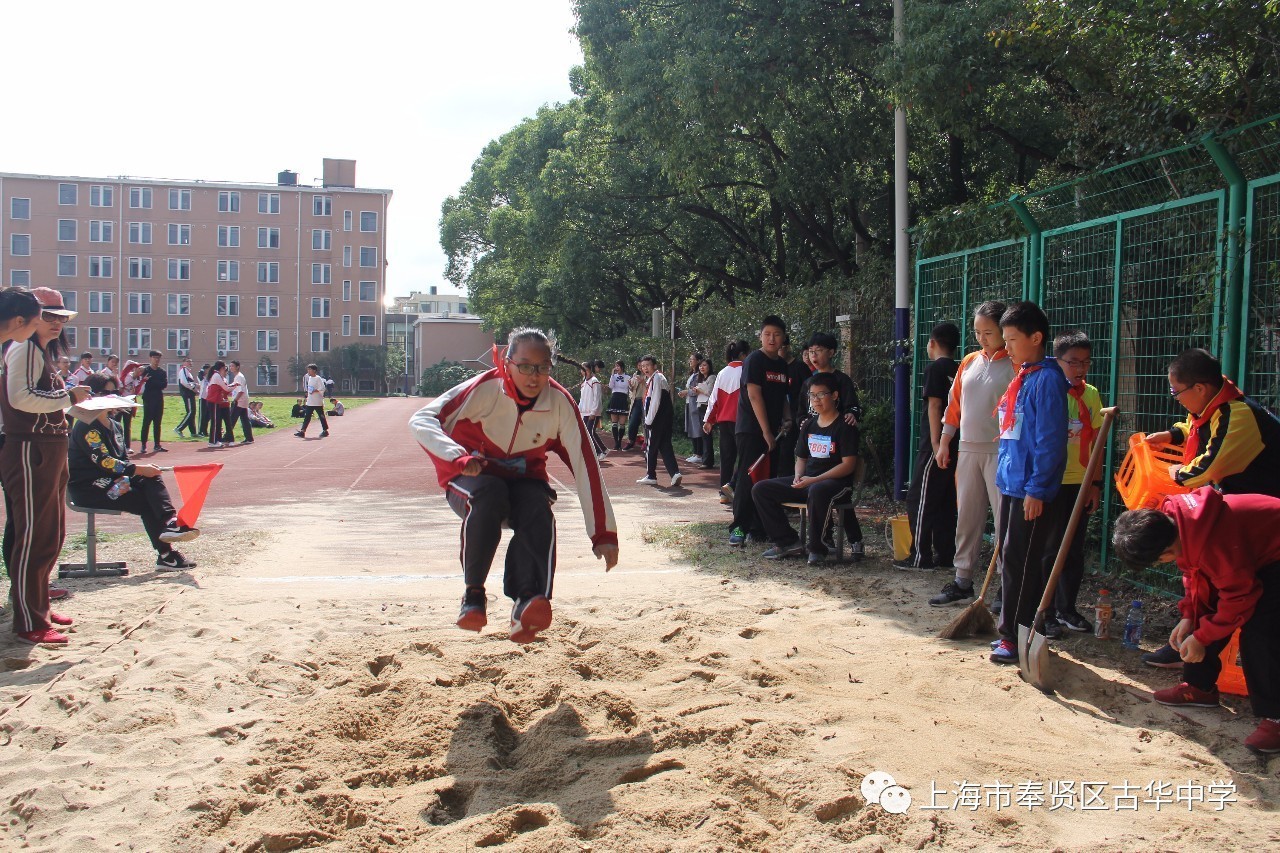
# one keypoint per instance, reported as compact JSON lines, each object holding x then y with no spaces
{"x":193,"y":484}
{"x":760,"y":470}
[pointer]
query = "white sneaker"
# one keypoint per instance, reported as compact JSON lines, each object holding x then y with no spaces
{"x":676,"y":478}
{"x":648,"y":481}
{"x":694,"y":460}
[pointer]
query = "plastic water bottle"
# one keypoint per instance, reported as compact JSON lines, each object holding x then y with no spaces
{"x":1102,"y":615}
{"x":1133,"y":626}
{"x":118,"y":488}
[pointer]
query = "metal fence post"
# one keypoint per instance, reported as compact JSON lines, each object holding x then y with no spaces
{"x":1233,"y":351}
{"x":1035,"y":269}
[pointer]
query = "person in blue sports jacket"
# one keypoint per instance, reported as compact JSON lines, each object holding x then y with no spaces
{"x":1031,"y":460}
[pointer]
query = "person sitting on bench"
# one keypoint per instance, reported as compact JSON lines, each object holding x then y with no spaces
{"x":102,"y":477}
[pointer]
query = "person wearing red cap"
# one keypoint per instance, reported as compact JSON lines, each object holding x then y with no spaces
{"x":33,"y":468}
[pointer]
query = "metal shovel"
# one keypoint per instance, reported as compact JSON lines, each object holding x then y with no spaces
{"x":1033,"y":643}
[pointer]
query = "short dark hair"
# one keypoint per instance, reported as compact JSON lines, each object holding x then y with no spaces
{"x":155,"y":354}
{"x":87,"y":355}
{"x":649,"y":358}
{"x":775,"y":321}
{"x":824,"y":340}
{"x":1027,"y":318}
{"x":219,"y":364}
{"x":236,"y":363}
{"x":1142,"y":535}
{"x":992,"y":309}
{"x":1075,"y":339}
{"x":97,"y":382}
{"x":1196,"y":365}
{"x":18,"y":302}
{"x":313,"y":366}
{"x":825,"y":380}
{"x":946,"y":335}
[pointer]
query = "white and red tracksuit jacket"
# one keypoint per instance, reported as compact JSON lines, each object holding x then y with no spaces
{"x":722,"y":405}
{"x":479,"y":420}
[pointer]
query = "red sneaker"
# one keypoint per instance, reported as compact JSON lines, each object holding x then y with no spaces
{"x":57,"y":592}
{"x":44,"y":637}
{"x":472,"y":616}
{"x":1186,"y":696}
{"x":528,"y":617}
{"x":59,"y":619}
{"x":1265,"y":739}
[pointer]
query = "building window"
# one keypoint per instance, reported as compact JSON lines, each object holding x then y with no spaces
{"x":100,"y":301}
{"x":321,"y":274}
{"x":101,"y":196}
{"x":268,"y":273}
{"x":68,"y":194}
{"x":228,"y":202}
{"x":19,"y":208}
{"x":346,"y":220}
{"x":319,"y":341}
{"x":228,"y":340}
{"x":268,"y":238}
{"x":268,"y":306}
{"x":140,"y":233}
{"x":101,"y":266}
{"x":67,"y":230}
{"x":139,"y":303}
{"x":368,"y":221}
{"x":139,"y":268}
{"x":319,"y":307}
{"x":140,"y":198}
{"x":321,"y":205}
{"x":268,"y":202}
{"x":346,"y":291}
{"x":69,"y":332}
{"x":366,"y":325}
{"x":19,"y":278}
{"x":229,"y":306}
{"x":178,"y":339}
{"x":228,"y":270}
{"x":66,"y":265}
{"x":346,"y":256}
{"x":179,"y":235}
{"x":100,"y":338}
{"x":229,"y":236}
{"x":179,"y":199}
{"x":346,"y":325}
{"x":368,"y":291}
{"x":20,"y":245}
{"x":321,"y":239}
{"x":137,"y":340}
{"x":368,"y":256}
{"x":179,"y":304}
{"x":101,"y":231}
{"x":268,"y":340}
{"x":179,"y":269}
{"x":268,"y":374}
{"x":69,"y":300}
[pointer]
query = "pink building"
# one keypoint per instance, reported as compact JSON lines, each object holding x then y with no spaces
{"x":259,"y":273}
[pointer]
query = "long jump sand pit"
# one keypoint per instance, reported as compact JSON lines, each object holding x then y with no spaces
{"x":305,"y":688}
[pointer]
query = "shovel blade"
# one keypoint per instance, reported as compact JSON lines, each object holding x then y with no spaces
{"x":1024,"y":657}
{"x":1037,"y":657}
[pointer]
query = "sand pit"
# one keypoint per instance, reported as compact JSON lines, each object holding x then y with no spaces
{"x":308,"y":689}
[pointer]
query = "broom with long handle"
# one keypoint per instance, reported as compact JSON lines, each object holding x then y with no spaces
{"x":976,"y":618}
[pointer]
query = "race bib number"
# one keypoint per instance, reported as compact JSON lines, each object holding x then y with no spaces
{"x":1014,"y":432}
{"x":1074,"y":428}
{"x":821,"y":446}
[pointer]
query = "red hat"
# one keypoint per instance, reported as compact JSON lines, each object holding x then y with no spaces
{"x":51,"y":302}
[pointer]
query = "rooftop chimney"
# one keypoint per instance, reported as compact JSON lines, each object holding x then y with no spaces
{"x":339,"y":173}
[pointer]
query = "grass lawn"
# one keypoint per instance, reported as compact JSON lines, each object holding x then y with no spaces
{"x":275,"y":408}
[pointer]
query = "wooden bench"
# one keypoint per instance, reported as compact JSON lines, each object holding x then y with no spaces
{"x":837,"y":509}
{"x":91,"y":568}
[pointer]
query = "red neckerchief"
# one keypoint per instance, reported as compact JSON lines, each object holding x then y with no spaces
{"x":1228,"y":392}
{"x":1086,"y":421}
{"x":1010,"y":398}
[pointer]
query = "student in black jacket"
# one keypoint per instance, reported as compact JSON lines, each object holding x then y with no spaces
{"x":154,"y":380}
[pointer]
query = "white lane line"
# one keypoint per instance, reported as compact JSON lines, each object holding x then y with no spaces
{"x":302,"y":457}
{"x":372,"y":462}
{"x":373,"y":579}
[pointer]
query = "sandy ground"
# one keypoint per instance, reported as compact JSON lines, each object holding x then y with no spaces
{"x":305,"y":687}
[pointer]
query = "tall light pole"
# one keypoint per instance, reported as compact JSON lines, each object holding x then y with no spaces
{"x":407,"y":384}
{"x":902,"y":289}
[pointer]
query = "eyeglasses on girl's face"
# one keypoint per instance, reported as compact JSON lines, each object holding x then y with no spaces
{"x":528,"y":368}
{"x":50,"y":317}
{"x":819,"y":395}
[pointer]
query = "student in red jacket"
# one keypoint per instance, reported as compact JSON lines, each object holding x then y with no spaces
{"x":489,"y":439}
{"x":1228,"y":550}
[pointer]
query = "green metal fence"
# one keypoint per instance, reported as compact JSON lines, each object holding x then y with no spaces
{"x":1176,"y":250}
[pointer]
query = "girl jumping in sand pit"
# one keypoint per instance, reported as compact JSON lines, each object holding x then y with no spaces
{"x":489,"y":438}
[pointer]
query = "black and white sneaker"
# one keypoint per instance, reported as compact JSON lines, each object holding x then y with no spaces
{"x":856,"y":552}
{"x":528,"y":617}
{"x":324,"y":433}
{"x":174,"y":532}
{"x":1075,"y":622}
{"x":173,"y":562}
{"x":777,"y":552}
{"x":951,"y":594}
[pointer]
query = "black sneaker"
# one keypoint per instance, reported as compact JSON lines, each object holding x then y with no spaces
{"x":173,"y":562}
{"x":951,"y":594}
{"x":1052,"y":628}
{"x":777,"y":552}
{"x":160,"y":449}
{"x":174,"y":532}
{"x":472,"y":617}
{"x":1075,"y":622}
{"x":324,"y":433}
{"x":856,"y":552}
{"x":815,"y":558}
{"x":1166,"y":657}
{"x":300,"y":434}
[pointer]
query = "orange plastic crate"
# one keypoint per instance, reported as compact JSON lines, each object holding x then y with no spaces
{"x":1231,"y":678}
{"x":1144,"y":481}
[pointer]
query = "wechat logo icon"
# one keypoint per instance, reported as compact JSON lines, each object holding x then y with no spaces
{"x":879,"y":787}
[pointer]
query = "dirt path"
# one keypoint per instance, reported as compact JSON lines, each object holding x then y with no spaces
{"x":305,"y":686}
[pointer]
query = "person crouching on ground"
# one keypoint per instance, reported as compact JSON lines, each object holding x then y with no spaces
{"x":826,"y":456}
{"x":102,"y":477}
{"x":489,"y":438}
{"x":1228,"y":550}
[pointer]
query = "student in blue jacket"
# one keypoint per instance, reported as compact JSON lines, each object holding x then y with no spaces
{"x":1031,"y":460}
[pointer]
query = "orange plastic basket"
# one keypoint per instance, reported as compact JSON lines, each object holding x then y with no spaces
{"x":1231,"y":679}
{"x":1144,"y":481}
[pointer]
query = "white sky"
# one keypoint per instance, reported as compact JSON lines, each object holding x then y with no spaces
{"x":238,"y":91}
